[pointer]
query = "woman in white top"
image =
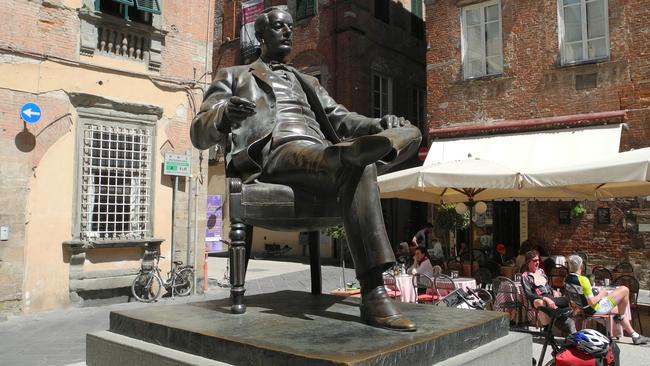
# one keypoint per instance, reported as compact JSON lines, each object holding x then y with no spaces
{"x":421,"y":262}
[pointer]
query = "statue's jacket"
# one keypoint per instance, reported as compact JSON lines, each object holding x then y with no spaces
{"x":245,"y":141}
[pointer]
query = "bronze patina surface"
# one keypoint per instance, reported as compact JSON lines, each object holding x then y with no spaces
{"x":297,"y":328}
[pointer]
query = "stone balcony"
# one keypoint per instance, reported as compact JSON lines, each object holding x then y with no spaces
{"x":112,"y":36}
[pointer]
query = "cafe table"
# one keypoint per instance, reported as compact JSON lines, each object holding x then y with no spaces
{"x":464,"y":282}
{"x":405,"y":285}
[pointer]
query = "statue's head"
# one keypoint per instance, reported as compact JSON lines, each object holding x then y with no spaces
{"x":274,"y":30}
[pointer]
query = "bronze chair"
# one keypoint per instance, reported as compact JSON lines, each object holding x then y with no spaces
{"x":444,"y":285}
{"x":274,"y":207}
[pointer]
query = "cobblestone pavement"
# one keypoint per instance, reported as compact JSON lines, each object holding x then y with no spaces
{"x":58,"y":338}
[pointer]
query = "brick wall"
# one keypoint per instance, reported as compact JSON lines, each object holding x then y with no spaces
{"x":534,"y":85}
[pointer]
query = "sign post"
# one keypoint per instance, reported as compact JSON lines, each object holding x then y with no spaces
{"x":176,"y":165}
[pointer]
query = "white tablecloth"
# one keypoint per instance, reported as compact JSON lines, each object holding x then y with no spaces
{"x":464,"y":282}
{"x":405,"y":285}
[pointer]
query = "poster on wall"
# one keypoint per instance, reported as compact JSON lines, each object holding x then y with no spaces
{"x":214,"y":224}
{"x":250,"y":10}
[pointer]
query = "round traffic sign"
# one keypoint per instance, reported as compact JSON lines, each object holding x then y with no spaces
{"x":30,"y":113}
{"x":422,"y":153}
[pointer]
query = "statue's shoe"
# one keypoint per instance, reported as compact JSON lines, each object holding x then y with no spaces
{"x":363,"y":150}
{"x":378,"y":310}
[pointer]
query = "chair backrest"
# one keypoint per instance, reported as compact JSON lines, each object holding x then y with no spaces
{"x":632,"y":284}
{"x":443,"y":285}
{"x":601,"y":273}
{"x":556,"y":275}
{"x":454,"y":265}
{"x":437,"y":270}
{"x":421,"y":280}
{"x":390,"y":282}
{"x":504,"y":285}
{"x":483,"y":277}
{"x":624,"y":267}
{"x":575,"y":295}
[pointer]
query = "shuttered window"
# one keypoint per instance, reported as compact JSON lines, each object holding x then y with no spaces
{"x":306,"y":8}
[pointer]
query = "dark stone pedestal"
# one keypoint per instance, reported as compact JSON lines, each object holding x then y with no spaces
{"x":297,"y":328}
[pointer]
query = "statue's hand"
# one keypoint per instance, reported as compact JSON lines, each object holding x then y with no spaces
{"x":392,"y":121}
{"x":238,"y":109}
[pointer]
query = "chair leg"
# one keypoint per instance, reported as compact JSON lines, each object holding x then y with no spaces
{"x":237,"y":265}
{"x":314,"y":262}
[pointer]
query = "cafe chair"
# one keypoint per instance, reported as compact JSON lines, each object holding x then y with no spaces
{"x":623,"y":269}
{"x":444,"y":285}
{"x":424,"y":287}
{"x":454,"y":265}
{"x":483,"y":278}
{"x":392,"y":286}
{"x":274,"y":207}
{"x":556,"y":276}
{"x":633,"y":285}
{"x":579,"y":305}
{"x":508,"y":298}
{"x":600,"y":274}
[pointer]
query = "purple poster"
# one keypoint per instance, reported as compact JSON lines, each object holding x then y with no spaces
{"x":214,"y":225}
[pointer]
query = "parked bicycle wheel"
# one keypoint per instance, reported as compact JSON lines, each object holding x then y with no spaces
{"x":146,"y":287}
{"x":183,"y":282}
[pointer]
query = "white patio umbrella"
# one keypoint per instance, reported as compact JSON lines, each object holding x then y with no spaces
{"x":455,"y":181}
{"x":625,"y":174}
{"x":621,"y":175}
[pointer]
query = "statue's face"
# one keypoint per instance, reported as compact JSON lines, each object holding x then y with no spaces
{"x":278,"y":32}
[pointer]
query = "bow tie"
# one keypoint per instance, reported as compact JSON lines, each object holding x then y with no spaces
{"x":274,"y":65}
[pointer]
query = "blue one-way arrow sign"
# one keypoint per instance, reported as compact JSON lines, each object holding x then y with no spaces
{"x":30,"y":113}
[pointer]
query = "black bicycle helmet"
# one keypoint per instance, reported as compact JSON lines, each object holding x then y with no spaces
{"x":590,"y":341}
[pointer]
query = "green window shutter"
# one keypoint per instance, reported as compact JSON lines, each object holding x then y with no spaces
{"x":150,"y":6}
{"x":306,"y":8}
{"x":416,"y":8}
{"x":125,"y":2}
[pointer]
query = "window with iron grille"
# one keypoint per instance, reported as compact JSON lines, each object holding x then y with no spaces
{"x":583,"y":28}
{"x":115,"y":185}
{"x":306,"y":8}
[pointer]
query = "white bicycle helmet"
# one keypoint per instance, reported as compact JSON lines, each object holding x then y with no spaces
{"x":590,"y":341}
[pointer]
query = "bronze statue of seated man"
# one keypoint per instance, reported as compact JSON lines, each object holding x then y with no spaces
{"x":284,"y":128}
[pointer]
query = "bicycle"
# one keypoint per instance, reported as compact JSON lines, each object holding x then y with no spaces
{"x":148,"y":283}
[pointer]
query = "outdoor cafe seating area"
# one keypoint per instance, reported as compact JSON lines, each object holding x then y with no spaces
{"x":501,"y":290}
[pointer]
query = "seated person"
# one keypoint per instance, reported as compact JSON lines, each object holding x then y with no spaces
{"x":602,"y":302}
{"x":421,"y":262}
{"x":421,"y":265}
{"x":539,"y":293}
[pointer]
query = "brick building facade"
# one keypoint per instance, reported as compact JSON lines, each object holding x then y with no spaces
{"x":82,"y":192}
{"x":352,"y":46}
{"x":505,"y":60}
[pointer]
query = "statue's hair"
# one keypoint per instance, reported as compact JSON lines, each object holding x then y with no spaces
{"x":262,"y":20}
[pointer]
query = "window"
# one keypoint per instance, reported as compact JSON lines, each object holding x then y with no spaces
{"x":583,"y":30}
{"x":382,"y":10}
{"x":115,"y":187}
{"x":382,"y":95}
{"x":416,"y":8}
{"x":481,"y":30}
{"x":134,"y":10}
{"x":306,"y":8}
